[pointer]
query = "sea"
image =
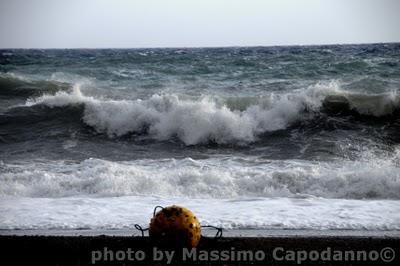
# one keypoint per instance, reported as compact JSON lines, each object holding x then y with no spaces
{"x":269,"y":138}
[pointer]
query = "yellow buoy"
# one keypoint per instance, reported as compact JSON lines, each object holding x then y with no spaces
{"x":175,"y":226}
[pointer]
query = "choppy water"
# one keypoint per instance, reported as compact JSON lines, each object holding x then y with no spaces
{"x":247,"y":137}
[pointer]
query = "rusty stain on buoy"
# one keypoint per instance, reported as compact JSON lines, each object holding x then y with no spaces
{"x":175,"y":226}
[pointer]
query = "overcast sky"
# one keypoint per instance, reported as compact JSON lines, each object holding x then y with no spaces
{"x":194,"y":23}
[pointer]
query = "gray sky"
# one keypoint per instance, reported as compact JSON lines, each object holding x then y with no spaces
{"x":194,"y":23}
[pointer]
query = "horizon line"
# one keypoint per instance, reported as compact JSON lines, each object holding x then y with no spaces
{"x":196,"y":47}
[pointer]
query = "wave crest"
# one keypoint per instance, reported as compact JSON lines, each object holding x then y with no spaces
{"x":13,"y":85}
{"x":207,"y":119}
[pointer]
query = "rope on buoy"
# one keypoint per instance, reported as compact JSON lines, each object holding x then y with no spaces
{"x":155,"y":210}
{"x":141,"y":229}
{"x":219,"y":230}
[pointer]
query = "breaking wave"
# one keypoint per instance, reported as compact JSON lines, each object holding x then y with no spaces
{"x":369,"y":177}
{"x":222,"y":121}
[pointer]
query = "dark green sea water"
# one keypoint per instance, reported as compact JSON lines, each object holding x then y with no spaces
{"x":225,"y":125}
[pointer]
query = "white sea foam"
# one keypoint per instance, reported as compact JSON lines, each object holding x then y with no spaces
{"x":256,"y":213}
{"x":166,"y":116}
{"x":209,"y":178}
